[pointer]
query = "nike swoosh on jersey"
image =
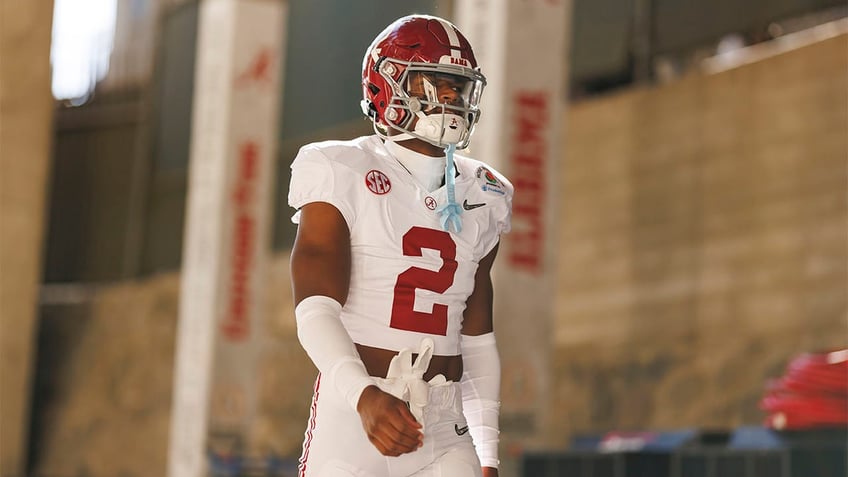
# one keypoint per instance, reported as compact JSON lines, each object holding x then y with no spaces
{"x":467,"y":206}
{"x":460,"y":430}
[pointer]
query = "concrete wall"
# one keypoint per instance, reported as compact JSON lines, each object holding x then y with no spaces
{"x":703,"y":241}
{"x":25,"y":123}
{"x":703,"y":245}
{"x":105,"y":380}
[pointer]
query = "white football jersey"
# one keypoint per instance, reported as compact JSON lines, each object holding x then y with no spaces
{"x":409,"y":277}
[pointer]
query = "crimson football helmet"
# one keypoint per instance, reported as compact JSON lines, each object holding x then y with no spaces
{"x":420,"y":77}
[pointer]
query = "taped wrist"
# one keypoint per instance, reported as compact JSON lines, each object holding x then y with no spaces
{"x":481,"y":383}
{"x":329,"y":346}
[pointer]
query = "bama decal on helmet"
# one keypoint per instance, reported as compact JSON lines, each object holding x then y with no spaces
{"x":454,"y":60}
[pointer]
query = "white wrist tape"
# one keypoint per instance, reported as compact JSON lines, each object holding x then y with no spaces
{"x":481,"y":384}
{"x":328,"y":344}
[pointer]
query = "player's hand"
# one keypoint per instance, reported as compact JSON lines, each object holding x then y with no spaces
{"x":490,"y":472}
{"x":388,"y":423}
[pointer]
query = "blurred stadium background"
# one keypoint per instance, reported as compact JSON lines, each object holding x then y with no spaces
{"x":699,"y":236}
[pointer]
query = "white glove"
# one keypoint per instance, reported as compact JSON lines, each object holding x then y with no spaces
{"x":405,"y":379}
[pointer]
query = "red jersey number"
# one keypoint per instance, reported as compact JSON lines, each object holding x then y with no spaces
{"x":404,"y":316}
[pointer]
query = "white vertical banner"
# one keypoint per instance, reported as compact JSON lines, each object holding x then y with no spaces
{"x":521,"y":46}
{"x":226,"y":241}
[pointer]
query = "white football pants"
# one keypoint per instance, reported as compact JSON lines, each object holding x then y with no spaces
{"x":335,"y":444}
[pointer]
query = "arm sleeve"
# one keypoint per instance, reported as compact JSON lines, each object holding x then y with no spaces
{"x":329,"y":346}
{"x":480,"y":384}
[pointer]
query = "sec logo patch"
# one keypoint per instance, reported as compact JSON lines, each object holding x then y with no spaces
{"x":378,"y":182}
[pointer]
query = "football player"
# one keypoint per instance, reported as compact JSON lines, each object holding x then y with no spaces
{"x":391,"y":266}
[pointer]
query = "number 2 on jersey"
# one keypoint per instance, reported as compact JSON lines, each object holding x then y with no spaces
{"x":404,"y":316}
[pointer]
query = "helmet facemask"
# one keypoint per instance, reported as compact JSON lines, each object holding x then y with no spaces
{"x":434,"y":102}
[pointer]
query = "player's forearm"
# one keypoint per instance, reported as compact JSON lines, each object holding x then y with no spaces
{"x":328,"y":344}
{"x":481,"y":395}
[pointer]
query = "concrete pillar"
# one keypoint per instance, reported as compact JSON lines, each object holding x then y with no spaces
{"x":227,"y":241}
{"x":26,"y":108}
{"x":521,"y":48}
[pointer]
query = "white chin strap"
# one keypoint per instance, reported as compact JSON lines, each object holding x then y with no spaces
{"x":438,"y":129}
